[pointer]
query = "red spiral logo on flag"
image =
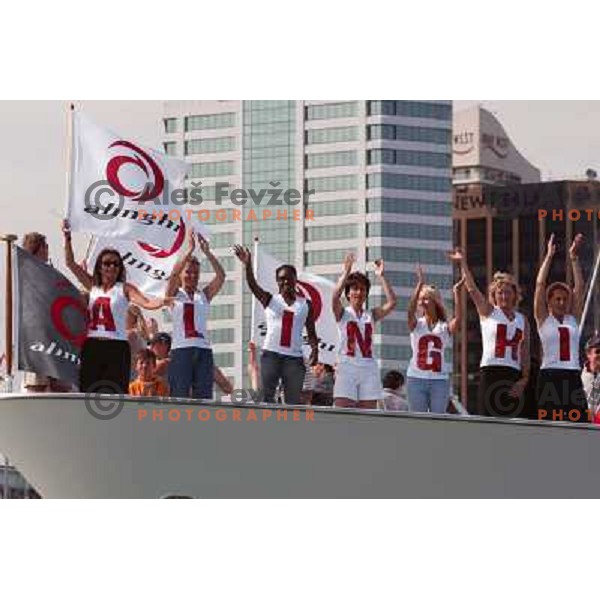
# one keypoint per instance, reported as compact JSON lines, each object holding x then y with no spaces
{"x":62,"y":326}
{"x":157,"y":252}
{"x":142,"y":160}
{"x":309,"y":291}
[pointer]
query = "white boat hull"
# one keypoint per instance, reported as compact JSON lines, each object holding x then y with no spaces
{"x":65,"y":452}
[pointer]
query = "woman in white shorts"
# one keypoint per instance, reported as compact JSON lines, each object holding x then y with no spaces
{"x":357,"y":382}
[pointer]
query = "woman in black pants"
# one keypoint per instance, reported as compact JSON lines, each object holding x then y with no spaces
{"x":105,"y":356}
{"x":505,"y":360}
{"x":557,"y":309}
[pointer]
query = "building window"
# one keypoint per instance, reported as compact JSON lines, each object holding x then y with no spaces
{"x":331,"y":232}
{"x":331,"y":159}
{"x":327,"y":257}
{"x":170,"y":125}
{"x":409,"y":206}
{"x":228,"y":288}
{"x":170,"y":148}
{"x":224,"y":359}
{"x":393,"y":352}
{"x":414,"y":158}
{"x":408,"y":255}
{"x":407,"y":108}
{"x":392,"y":327}
{"x":222,"y":336}
{"x":408,"y":279}
{"x":331,"y":135}
{"x":432,"y":135}
{"x":212,"y":169}
{"x":210,"y":145}
{"x":402,"y":304}
{"x":330,"y":209}
{"x":332,"y":184}
{"x":410,"y":231}
{"x":227,"y":262}
{"x":381,"y":107}
{"x":401,"y":181}
{"x":381,"y":132}
{"x":222,"y":311}
{"x":216,"y":121}
{"x":222,"y":240}
{"x":331,"y":110}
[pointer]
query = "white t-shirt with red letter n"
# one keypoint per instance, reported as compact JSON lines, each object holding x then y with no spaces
{"x":356,"y":337}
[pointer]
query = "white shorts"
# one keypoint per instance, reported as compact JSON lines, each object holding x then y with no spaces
{"x":357,"y":382}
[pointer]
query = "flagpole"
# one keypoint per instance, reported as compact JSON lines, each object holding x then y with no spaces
{"x":69,"y":155}
{"x":255,"y":267}
{"x":89,"y":248}
{"x":9,"y":238}
{"x":589,"y":294}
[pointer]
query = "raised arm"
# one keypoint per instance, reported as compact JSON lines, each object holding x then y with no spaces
{"x":80,"y":273}
{"x":578,"y":284}
{"x":412,"y":303}
{"x":540,"y":310}
{"x":455,"y":322}
{"x":253,"y":372}
{"x":390,"y":296}
{"x":222,"y":381}
{"x":212,"y":289}
{"x":484,"y":308}
{"x":245,"y":258}
{"x":313,"y":341}
{"x":143,"y":301}
{"x":336,"y":300}
{"x":175,"y":277}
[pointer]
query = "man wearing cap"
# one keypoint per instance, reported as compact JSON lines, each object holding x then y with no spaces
{"x":591,"y":377}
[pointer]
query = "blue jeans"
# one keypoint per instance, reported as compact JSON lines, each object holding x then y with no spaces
{"x":191,"y":373}
{"x":291,"y":371}
{"x":428,"y":395}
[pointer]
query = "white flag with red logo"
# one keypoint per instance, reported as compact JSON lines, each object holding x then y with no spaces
{"x":147,"y":267}
{"x":312,"y":287}
{"x":119,"y":189}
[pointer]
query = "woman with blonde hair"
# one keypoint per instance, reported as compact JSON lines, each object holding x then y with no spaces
{"x":505,"y":361}
{"x":428,"y":375}
{"x":557,"y":310}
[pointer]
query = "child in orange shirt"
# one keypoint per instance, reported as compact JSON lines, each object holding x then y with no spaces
{"x":147,"y":383}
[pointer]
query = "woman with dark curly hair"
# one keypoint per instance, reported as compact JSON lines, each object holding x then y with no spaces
{"x":106,"y":356}
{"x":357,"y":383}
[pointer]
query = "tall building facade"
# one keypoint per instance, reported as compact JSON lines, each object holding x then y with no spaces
{"x":370,"y":177}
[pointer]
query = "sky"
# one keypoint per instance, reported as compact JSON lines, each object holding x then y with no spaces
{"x":562,"y":138}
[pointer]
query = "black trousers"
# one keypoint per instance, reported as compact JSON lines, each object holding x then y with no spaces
{"x":105,"y":366}
{"x":492,"y":395}
{"x":560,"y":396}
